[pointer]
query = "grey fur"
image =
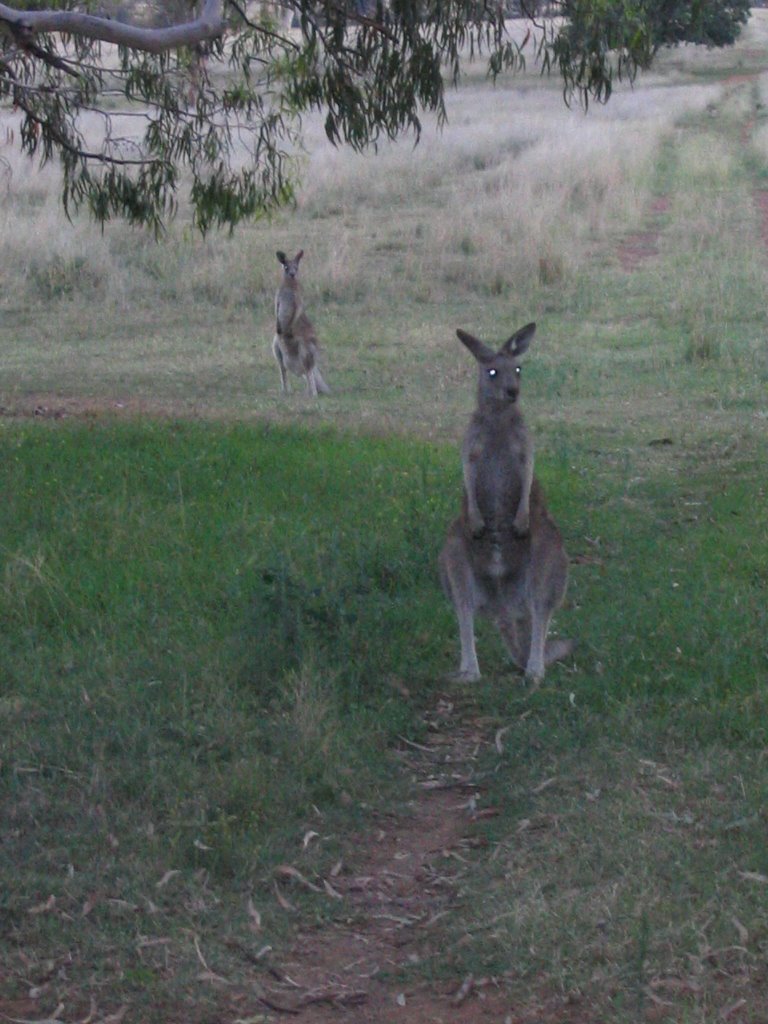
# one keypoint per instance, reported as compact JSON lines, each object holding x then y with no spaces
{"x":504,"y":555}
{"x":295,"y":345}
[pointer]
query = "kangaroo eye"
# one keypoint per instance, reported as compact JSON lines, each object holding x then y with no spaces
{"x":518,"y":370}
{"x":492,"y":372}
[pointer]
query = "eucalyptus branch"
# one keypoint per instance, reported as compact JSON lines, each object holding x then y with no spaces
{"x":360,"y":19}
{"x":27,"y":24}
{"x":371,"y":75}
{"x":51,"y":59}
{"x":84,"y":154}
{"x":532,"y":15}
{"x":262,"y":30}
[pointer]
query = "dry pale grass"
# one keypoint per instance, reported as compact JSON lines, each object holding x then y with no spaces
{"x":513,"y":189}
{"x":512,"y":212}
{"x":514,"y":172}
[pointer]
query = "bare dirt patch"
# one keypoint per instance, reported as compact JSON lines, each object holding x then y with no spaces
{"x":640,"y":246}
{"x":383,"y":958}
{"x":48,"y":406}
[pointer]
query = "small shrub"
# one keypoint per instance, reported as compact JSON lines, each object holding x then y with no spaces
{"x":61,"y":277}
{"x":703,"y":345}
{"x":551,"y":269}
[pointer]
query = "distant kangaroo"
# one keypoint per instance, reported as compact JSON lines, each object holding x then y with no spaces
{"x":295,"y":344}
{"x":504,"y":555}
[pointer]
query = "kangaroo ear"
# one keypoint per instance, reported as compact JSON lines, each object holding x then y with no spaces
{"x":298,"y":255}
{"x":520,"y":340}
{"x":281,"y":257}
{"x":481,"y":352}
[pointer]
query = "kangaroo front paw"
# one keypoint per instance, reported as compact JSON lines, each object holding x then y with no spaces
{"x":521,"y":525}
{"x":477,"y":525}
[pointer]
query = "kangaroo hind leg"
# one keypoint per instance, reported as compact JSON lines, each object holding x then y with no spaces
{"x":459,"y":585}
{"x":278,"y":354}
{"x":534,"y":668}
{"x":542,"y":651}
{"x":320,"y":385}
{"x":516,"y":636}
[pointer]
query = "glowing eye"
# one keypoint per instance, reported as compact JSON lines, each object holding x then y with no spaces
{"x":518,"y":370}
{"x":492,"y":373}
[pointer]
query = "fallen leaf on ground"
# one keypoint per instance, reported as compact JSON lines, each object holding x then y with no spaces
{"x":544,"y":785}
{"x":331,"y":891}
{"x":288,"y":871}
{"x":284,"y":903}
{"x":166,"y":878}
{"x":754,"y":876}
{"x":44,"y":908}
{"x":498,"y":738}
{"x":254,"y":917}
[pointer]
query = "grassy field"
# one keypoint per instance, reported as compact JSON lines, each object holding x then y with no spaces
{"x":219,"y":607}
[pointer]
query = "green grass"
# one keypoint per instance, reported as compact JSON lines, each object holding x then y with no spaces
{"x":206,"y":635}
{"x":633,"y":877}
{"x":624,"y":866}
{"x":157,"y":570}
{"x":201,"y":629}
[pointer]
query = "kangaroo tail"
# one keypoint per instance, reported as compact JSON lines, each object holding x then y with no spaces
{"x":557,"y":649}
{"x":322,"y":387}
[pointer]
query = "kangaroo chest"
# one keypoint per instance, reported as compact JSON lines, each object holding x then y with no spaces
{"x":499,"y":469}
{"x":285,"y":306}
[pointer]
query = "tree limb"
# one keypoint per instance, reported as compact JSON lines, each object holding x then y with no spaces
{"x":51,"y":59}
{"x":372,"y":73}
{"x":83,"y":154}
{"x":24,"y":25}
{"x":262,"y":29}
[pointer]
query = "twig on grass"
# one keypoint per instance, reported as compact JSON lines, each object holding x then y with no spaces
{"x":55,"y":1019}
{"x":464,"y":990}
{"x":335,"y":997}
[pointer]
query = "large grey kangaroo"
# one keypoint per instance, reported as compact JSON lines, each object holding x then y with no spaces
{"x":504,"y":555}
{"x":295,"y":344}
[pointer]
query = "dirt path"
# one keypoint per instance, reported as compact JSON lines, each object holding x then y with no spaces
{"x":640,"y":246}
{"x":395,"y":901}
{"x":759,"y":193}
{"x":49,"y":406}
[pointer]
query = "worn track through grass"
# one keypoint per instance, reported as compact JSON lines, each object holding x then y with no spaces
{"x":397,"y":894}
